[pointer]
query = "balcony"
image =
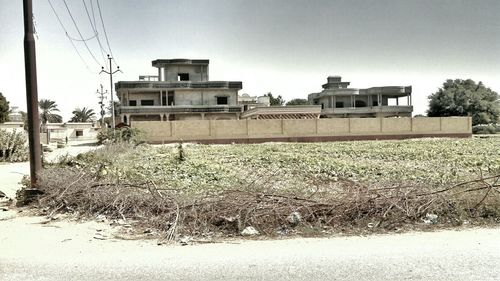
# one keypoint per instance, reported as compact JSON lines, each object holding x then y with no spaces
{"x":180,"y":109}
{"x":369,"y":109}
{"x":178,"y":85}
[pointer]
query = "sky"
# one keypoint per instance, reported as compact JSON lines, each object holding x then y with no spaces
{"x":287,"y":47}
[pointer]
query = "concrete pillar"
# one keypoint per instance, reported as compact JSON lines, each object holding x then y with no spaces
{"x":161,"y":117}
{"x":161,"y":98}
{"x":168,"y":117}
{"x":379,"y":99}
{"x":334,"y":101}
{"x":202,"y":116}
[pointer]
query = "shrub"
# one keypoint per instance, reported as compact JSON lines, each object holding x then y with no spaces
{"x":486,"y":129}
{"x":124,"y":134}
{"x":13,"y":147}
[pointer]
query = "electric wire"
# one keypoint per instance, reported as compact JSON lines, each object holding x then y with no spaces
{"x":67,"y":35}
{"x":79,"y":33}
{"x":94,"y":28}
{"x":105,"y":34}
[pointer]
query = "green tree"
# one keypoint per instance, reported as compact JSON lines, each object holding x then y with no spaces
{"x":275,"y":100}
{"x":465,"y":98}
{"x":83,"y":115}
{"x":298,"y":102}
{"x":4,"y":109}
{"x":47,"y":112}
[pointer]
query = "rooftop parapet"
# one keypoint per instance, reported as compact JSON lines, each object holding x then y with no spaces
{"x":165,"y":62}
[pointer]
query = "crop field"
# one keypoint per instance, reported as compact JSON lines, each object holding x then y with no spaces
{"x":196,"y":189}
{"x":432,"y":162}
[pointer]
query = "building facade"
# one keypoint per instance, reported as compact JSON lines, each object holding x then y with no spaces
{"x":181,"y":91}
{"x":337,"y":100}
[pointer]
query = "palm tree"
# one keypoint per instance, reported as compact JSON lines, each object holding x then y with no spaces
{"x":47,"y":115}
{"x":47,"y":109}
{"x":83,"y":115}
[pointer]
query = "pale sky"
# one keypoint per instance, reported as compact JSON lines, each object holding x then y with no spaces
{"x":287,"y":47}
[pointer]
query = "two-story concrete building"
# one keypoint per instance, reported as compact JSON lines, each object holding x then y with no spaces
{"x":181,"y":91}
{"x":337,"y":100}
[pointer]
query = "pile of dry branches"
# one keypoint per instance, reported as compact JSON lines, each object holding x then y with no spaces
{"x":344,"y":204}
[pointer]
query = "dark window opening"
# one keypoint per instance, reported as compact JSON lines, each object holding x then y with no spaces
{"x":132,"y":103}
{"x":375,"y":103}
{"x":170,"y":100}
{"x":147,"y":102}
{"x":322,"y":106}
{"x":360,"y":103}
{"x":183,"y":77}
{"x":221,"y":100}
{"x":79,"y":133}
{"x":163,"y":99}
{"x":339,"y":104}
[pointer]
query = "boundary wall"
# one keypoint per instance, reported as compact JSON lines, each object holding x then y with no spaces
{"x":303,"y":130}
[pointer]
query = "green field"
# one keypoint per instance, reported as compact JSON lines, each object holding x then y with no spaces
{"x":432,"y":162}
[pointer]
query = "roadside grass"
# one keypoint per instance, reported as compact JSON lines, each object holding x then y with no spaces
{"x":281,"y":188}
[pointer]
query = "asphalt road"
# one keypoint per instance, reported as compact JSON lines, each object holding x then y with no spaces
{"x":68,"y":251}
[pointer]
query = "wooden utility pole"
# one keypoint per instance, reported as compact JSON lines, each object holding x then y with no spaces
{"x":31,"y":93}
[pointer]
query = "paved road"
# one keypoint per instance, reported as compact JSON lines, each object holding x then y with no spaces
{"x":68,"y":251}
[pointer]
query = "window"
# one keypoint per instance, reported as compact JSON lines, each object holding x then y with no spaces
{"x":221,"y":100}
{"x":132,"y":103}
{"x":164,"y":99}
{"x":170,"y":100}
{"x":79,"y":133}
{"x":147,"y":102}
{"x":339,"y":104}
{"x":183,"y":77}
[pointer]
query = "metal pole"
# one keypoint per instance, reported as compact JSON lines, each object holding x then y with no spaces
{"x":31,"y":93}
{"x":112,"y":94}
{"x":111,"y":72}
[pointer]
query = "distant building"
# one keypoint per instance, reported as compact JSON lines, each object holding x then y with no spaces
{"x":337,"y":100}
{"x":181,"y":91}
{"x":249,"y":102}
{"x":15,"y":115}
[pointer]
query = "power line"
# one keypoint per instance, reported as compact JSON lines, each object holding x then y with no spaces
{"x":94,"y":28}
{"x":79,"y":33}
{"x":105,"y":34}
{"x":67,"y":35}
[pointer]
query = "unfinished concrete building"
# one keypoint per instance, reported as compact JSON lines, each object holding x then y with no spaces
{"x":337,"y":100}
{"x":181,"y":91}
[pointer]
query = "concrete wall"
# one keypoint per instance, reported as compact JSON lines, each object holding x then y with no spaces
{"x":12,"y":126}
{"x":197,"y":73}
{"x":226,"y":131}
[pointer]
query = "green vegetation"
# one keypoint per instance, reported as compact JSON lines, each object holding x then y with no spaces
{"x":48,"y":109}
{"x":4,"y":109}
{"x":120,"y":135}
{"x":465,"y":98}
{"x":431,"y":162}
{"x":83,"y":115}
{"x":291,"y":188}
{"x":13,"y":146}
{"x":275,"y":101}
{"x":297,"y":102}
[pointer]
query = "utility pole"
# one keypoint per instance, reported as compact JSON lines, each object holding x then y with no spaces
{"x":102,"y":97}
{"x":31,"y":93}
{"x":111,"y":72}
